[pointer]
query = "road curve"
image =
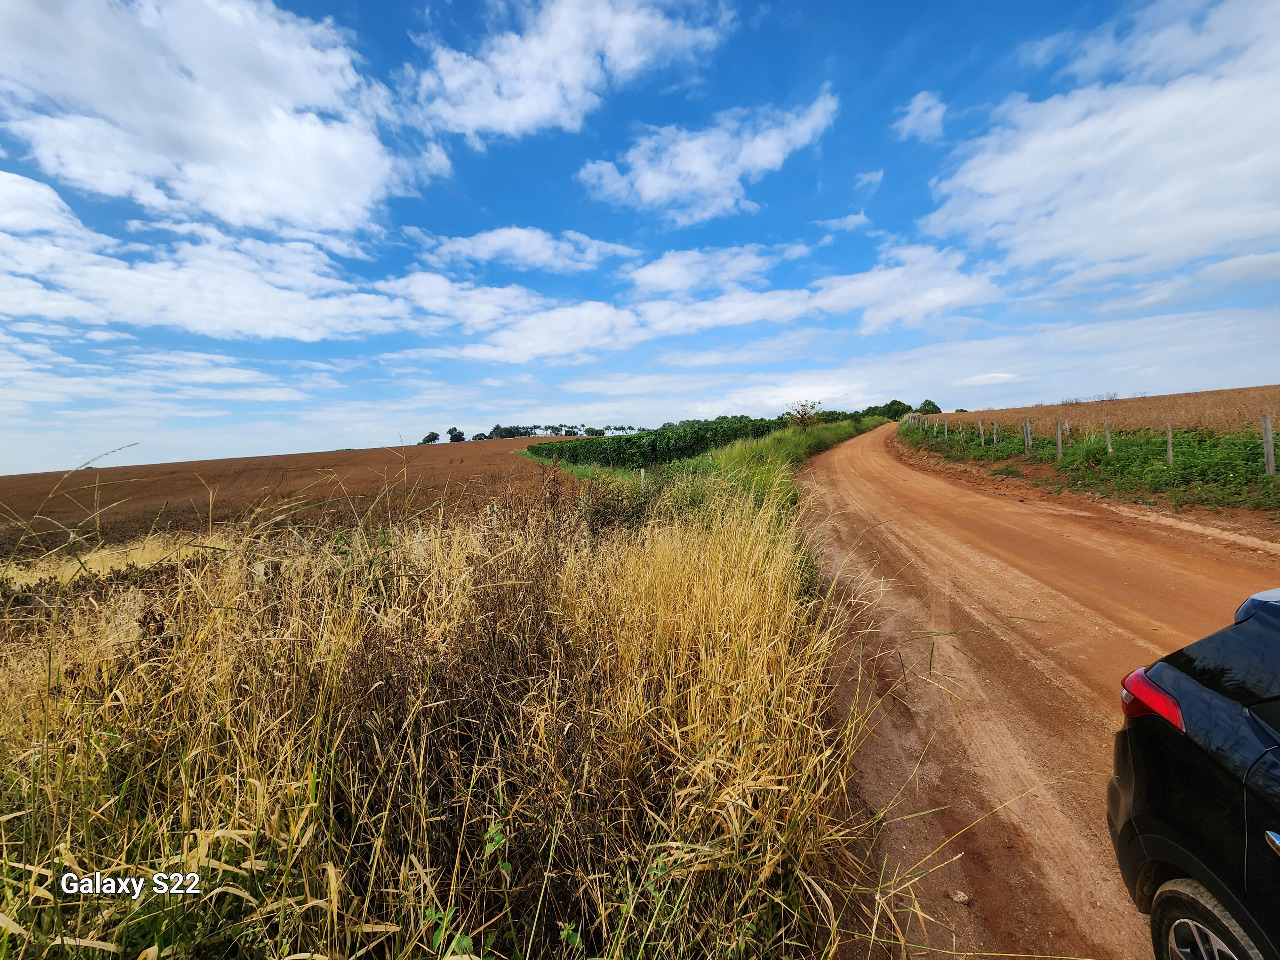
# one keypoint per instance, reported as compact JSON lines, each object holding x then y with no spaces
{"x":1024,"y":612}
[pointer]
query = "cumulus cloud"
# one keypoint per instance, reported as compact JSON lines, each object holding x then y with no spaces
{"x":54,"y":268}
{"x":528,"y":248}
{"x":683,"y":272}
{"x":694,"y":175}
{"x":556,"y":68}
{"x":226,"y":107}
{"x":1169,"y":163}
{"x":921,"y":119}
{"x":911,"y":284}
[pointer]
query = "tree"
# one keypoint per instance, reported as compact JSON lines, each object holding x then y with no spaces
{"x":455,"y":435}
{"x":803,"y":413}
{"x":928,"y":406}
{"x":479,"y":436}
{"x":431,"y":437}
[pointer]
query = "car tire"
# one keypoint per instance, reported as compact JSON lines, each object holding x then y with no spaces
{"x":1188,"y":923}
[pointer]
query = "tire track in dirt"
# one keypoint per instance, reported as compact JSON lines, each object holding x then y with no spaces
{"x":1028,"y":613}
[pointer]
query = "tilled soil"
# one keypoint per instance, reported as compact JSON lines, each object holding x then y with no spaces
{"x":1019,"y":612}
{"x":117,"y":504}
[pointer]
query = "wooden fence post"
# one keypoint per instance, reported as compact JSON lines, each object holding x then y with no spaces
{"x":945,"y":434}
{"x":995,"y":432}
{"x":1268,"y":445}
{"x":1168,"y":441}
{"x":1106,"y":428}
{"x":1057,"y":430}
{"x":1026,"y":436}
{"x":982,"y":435}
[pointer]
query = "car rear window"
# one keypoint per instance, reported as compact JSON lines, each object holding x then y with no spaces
{"x":1241,"y":662}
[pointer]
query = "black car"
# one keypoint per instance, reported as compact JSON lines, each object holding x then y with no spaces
{"x":1194,"y":806}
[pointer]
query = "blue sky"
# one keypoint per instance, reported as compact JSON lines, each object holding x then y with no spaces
{"x":232,"y":227}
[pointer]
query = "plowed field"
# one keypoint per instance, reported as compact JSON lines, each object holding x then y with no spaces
{"x":1219,"y":410}
{"x":119,"y":503}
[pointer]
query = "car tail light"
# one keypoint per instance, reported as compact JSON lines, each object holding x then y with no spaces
{"x":1139,"y":696}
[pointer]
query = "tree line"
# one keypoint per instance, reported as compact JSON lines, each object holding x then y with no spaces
{"x":721,"y":430}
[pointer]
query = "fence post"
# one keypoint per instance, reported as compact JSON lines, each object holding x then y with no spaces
{"x":1106,"y":428}
{"x":1268,"y":445}
{"x":995,"y":432}
{"x":1168,"y":441}
{"x":945,"y":434}
{"x":982,"y":435}
{"x":1026,"y":436}
{"x":1057,"y":430}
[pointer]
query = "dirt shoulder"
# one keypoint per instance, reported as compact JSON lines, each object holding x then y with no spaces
{"x":1024,"y":609}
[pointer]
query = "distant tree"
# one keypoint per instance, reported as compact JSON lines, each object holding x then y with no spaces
{"x":928,"y":406}
{"x":570,"y":431}
{"x":431,"y":437}
{"x":593,"y":431}
{"x":478,"y":436}
{"x":803,"y":414}
{"x":961,"y":410}
{"x":455,"y":435}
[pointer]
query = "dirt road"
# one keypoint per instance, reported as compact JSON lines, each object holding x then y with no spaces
{"x":1029,"y":609}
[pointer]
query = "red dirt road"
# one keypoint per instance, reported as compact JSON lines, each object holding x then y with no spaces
{"x":1029,"y":610}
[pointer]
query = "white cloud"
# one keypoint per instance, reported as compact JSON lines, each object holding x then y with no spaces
{"x":786,"y":347}
{"x":203,"y":282}
{"x":987,"y":379}
{"x":228,"y":107}
{"x":528,"y":248}
{"x":695,"y":175}
{"x":921,"y":118}
{"x":1170,"y":164}
{"x":911,"y":284}
{"x":851,"y":222}
{"x":557,"y":67}
{"x":684,"y":271}
{"x":869,"y":181}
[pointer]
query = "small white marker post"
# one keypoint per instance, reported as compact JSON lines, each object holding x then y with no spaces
{"x":1268,"y":446}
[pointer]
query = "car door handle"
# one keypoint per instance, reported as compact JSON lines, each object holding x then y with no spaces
{"x":1273,"y":841}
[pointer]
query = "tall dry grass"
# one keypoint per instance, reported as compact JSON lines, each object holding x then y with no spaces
{"x":532,"y":733}
{"x":1222,"y":411}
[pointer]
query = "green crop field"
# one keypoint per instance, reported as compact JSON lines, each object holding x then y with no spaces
{"x":1209,"y":468}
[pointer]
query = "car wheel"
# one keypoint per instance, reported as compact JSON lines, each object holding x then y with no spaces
{"x":1188,"y":923}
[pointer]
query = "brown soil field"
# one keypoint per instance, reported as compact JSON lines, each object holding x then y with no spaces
{"x":117,"y":504}
{"x":1218,"y":410}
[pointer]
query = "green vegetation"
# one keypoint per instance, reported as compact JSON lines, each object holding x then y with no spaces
{"x":590,"y":722}
{"x":687,"y":439}
{"x":1214,"y":469}
{"x":652,"y":447}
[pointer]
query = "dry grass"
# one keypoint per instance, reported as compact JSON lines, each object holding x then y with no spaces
{"x":1222,"y":411}
{"x":530,"y":733}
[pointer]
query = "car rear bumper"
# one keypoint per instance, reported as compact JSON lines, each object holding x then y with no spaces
{"x":1124,"y":836}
